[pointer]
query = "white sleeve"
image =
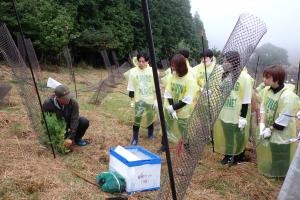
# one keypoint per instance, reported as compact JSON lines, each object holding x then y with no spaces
{"x":285,"y":116}
{"x":262,"y":108}
{"x":247,"y":92}
{"x":247,"y":96}
{"x":283,"y":119}
{"x":130,"y":86}
{"x":187,"y":100}
{"x":167,"y":95}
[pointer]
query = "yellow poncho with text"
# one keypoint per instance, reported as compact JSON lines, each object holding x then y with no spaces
{"x":229,"y":139}
{"x":144,"y":95}
{"x":273,"y":154}
{"x":179,"y":88}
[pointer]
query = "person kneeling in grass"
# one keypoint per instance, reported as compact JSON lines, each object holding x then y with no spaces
{"x":66,"y":108}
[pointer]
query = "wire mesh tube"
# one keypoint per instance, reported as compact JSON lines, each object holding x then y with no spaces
{"x":68,"y":58}
{"x":13,"y":58}
{"x":243,"y":40}
{"x":4,"y":91}
{"x":31,"y":56}
{"x":114,"y":77}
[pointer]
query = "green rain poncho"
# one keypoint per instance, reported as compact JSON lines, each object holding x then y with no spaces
{"x":179,"y":89}
{"x":229,"y":139}
{"x":141,"y":82}
{"x":274,"y":154}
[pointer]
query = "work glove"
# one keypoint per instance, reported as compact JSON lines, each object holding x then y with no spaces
{"x":242,"y":122}
{"x":132,"y":103}
{"x":205,"y":92}
{"x":298,"y":114}
{"x":68,"y":143}
{"x":172,"y":112}
{"x":262,"y":126}
{"x":266,"y":133}
{"x":155,"y":106}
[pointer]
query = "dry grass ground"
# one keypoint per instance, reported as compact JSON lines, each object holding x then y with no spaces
{"x":28,"y":170}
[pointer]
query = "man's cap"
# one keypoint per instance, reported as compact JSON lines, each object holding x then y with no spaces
{"x":63,"y":91}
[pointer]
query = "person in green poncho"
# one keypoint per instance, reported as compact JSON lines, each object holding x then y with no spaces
{"x":179,"y":97}
{"x":230,"y":130}
{"x":277,"y":126}
{"x":141,"y":89}
{"x":199,"y":70}
{"x":168,"y":72}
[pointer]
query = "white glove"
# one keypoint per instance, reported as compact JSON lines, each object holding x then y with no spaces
{"x":172,"y":112}
{"x":262,"y":126}
{"x":132,"y":103}
{"x":205,"y":92}
{"x":242,"y":122}
{"x":299,"y":134}
{"x":298,"y":114}
{"x":155,"y":106}
{"x":267,"y":133}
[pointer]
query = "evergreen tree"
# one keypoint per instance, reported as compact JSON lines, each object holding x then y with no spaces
{"x":196,"y":43}
{"x":89,"y":25}
{"x":47,"y":24}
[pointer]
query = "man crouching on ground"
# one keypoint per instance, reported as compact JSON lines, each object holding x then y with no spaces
{"x":63,"y":104}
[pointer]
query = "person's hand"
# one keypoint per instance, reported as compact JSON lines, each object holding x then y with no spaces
{"x":174,"y":115}
{"x":298,"y":114}
{"x":242,"y":122}
{"x":205,"y":92}
{"x":172,"y":112}
{"x":266,"y":133}
{"x":262,"y":126}
{"x":155,"y":106}
{"x":132,"y":103}
{"x":68,"y":143}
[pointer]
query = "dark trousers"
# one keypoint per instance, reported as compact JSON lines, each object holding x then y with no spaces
{"x":83,"y":124}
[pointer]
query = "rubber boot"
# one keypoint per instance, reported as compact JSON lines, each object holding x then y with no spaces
{"x":150,"y":131}
{"x":240,"y":158}
{"x":231,"y":161}
{"x":135,"y":136}
{"x":225,"y":160}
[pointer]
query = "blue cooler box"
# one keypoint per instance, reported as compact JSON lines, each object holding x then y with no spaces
{"x":140,"y":175}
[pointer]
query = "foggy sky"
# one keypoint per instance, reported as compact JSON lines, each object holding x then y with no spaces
{"x":281,"y":18}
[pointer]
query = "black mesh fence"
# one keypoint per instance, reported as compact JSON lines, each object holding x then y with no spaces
{"x":112,"y":80}
{"x":243,"y":40}
{"x":4,"y":92}
{"x":10,"y":53}
{"x":31,"y":56}
{"x":117,"y":73}
{"x":68,"y":59}
{"x":110,"y":69}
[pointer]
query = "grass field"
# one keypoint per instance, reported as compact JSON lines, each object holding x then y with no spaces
{"x":28,"y":170}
